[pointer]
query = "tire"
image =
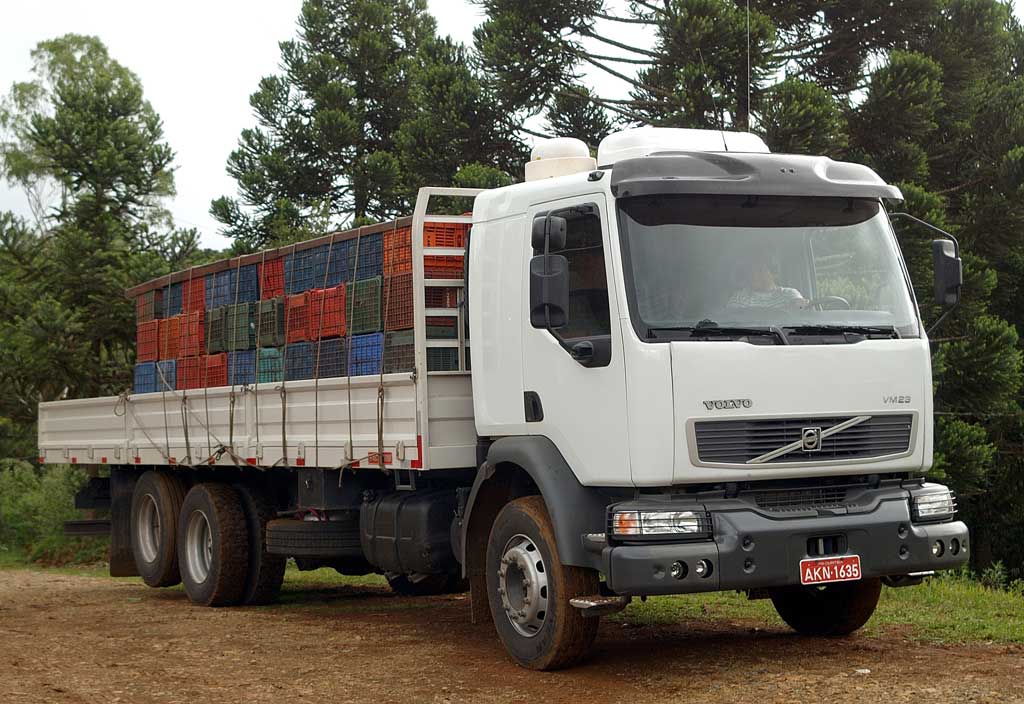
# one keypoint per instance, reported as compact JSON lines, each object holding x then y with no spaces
{"x":156,"y":505}
{"x":213,"y":545}
{"x":430,"y":585}
{"x":551,"y":634}
{"x":832,"y":610}
{"x":265,"y":571}
{"x":325,"y":539}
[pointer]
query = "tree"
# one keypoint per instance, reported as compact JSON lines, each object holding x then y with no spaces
{"x":83,"y":132}
{"x":370,"y":106}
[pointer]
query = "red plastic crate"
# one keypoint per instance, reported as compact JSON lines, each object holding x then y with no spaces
{"x":193,"y":295}
{"x":296,"y":317}
{"x":445,"y":234}
{"x":147,"y":341}
{"x":442,"y":267}
{"x":436,"y":297}
{"x":216,"y":372}
{"x":397,"y":251}
{"x":326,"y":312}
{"x":191,"y":342}
{"x":271,"y":275}
{"x":170,"y":337}
{"x":190,"y":373}
{"x":397,"y":302}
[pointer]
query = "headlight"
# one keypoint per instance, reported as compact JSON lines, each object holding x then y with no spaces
{"x":933,"y":506}
{"x":642,"y":523}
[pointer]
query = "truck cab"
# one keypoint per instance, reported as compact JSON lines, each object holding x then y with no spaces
{"x":709,"y":362}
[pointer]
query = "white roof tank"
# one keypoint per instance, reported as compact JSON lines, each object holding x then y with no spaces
{"x":560,"y":156}
{"x":643,"y":141}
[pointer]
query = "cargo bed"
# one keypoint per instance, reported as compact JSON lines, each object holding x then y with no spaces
{"x":424,"y":420}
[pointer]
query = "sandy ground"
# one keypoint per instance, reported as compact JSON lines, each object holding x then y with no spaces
{"x":66,"y":638}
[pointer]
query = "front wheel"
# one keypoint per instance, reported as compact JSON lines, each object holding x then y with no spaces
{"x":529,"y":589}
{"x":830,"y":610}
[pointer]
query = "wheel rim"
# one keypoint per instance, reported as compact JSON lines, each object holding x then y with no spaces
{"x":147,"y":529}
{"x":523,"y":585}
{"x":198,"y":547}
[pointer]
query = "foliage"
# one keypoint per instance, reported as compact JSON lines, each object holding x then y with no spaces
{"x":33,"y":507}
{"x":370,"y":106}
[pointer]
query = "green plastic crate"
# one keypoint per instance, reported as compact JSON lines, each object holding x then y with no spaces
{"x":268,"y":366}
{"x":214,"y":325}
{"x":399,"y":352}
{"x":239,"y":327}
{"x":270,"y":322}
{"x":362,"y":306}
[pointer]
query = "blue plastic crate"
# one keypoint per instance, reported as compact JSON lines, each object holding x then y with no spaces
{"x":343,"y":259}
{"x":248,"y":282}
{"x":220,"y":289}
{"x":145,"y":378}
{"x":364,"y":357}
{"x":167,"y":378}
{"x":172,"y":300}
{"x":298,"y":361}
{"x":301,"y":269}
{"x":339,"y":264}
{"x":241,"y":367}
{"x":332,"y":361}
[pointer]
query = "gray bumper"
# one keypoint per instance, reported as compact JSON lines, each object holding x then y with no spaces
{"x":751,"y":550}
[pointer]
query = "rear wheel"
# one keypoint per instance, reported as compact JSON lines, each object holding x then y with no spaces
{"x":156,"y":504}
{"x":830,"y":610}
{"x":265,"y":571}
{"x":213,"y":545}
{"x":529,"y":589}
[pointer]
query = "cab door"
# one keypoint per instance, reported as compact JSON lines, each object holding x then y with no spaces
{"x":574,"y":375}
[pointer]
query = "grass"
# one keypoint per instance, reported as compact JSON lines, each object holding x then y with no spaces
{"x":944,"y":610}
{"x":949,"y":609}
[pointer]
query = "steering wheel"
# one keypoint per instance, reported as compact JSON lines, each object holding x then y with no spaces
{"x":829,"y":303}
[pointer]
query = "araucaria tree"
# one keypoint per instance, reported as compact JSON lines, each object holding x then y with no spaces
{"x":370,"y":105}
{"x":89,"y":152}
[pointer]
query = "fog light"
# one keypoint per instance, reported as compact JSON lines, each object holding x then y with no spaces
{"x":678,"y":570}
{"x":938,"y":548}
{"x":702,"y":568}
{"x":954,"y":547}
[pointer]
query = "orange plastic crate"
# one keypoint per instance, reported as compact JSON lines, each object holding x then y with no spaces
{"x":147,"y":341}
{"x":190,"y":373}
{"x":170,"y":337}
{"x":296,"y":323}
{"x":442,"y":267}
{"x":397,"y":251}
{"x":191,"y":341}
{"x":397,"y":302}
{"x":445,"y":234}
{"x":216,"y":372}
{"x":193,"y":295}
{"x":326,"y":312}
{"x":271,"y":278}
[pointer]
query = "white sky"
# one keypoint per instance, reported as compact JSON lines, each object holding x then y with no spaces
{"x":198,"y":62}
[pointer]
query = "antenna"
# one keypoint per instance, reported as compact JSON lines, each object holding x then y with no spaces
{"x":714,"y":103}
{"x":748,"y":65}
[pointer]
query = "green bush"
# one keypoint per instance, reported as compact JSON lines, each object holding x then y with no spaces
{"x":33,"y":507}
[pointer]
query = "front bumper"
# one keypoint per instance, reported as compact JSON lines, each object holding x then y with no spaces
{"x":754,"y":549}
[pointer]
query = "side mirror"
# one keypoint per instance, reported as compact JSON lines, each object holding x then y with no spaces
{"x":549,"y":291}
{"x":548,"y":233}
{"x":949,"y":272}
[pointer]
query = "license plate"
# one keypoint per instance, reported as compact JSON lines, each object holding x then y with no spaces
{"x":822,"y":570}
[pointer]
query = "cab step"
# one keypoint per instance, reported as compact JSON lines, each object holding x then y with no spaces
{"x":599,"y":604}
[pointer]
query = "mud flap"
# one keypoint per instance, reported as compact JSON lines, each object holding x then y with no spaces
{"x":122,"y":484}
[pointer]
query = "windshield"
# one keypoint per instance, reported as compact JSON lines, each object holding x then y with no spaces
{"x":768,"y":262}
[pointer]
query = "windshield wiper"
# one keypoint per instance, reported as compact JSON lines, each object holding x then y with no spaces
{"x":708,"y":328}
{"x":887,"y":330}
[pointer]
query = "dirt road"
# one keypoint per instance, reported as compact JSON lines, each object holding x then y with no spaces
{"x":66,"y":638}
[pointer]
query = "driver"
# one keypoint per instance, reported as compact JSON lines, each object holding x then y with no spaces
{"x":763,"y":291}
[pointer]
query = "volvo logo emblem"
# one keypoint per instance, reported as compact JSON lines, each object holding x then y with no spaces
{"x":810,"y":439}
{"x":722,"y":404}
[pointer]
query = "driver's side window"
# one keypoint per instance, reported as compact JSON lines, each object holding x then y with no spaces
{"x":588,"y":281}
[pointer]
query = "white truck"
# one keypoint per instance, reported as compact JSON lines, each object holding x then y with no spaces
{"x":696,"y":366}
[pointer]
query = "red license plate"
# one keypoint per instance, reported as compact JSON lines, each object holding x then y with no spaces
{"x":822,"y":570}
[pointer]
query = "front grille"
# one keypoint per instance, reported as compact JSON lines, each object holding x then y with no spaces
{"x":801,"y":499}
{"x":739,"y":441}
